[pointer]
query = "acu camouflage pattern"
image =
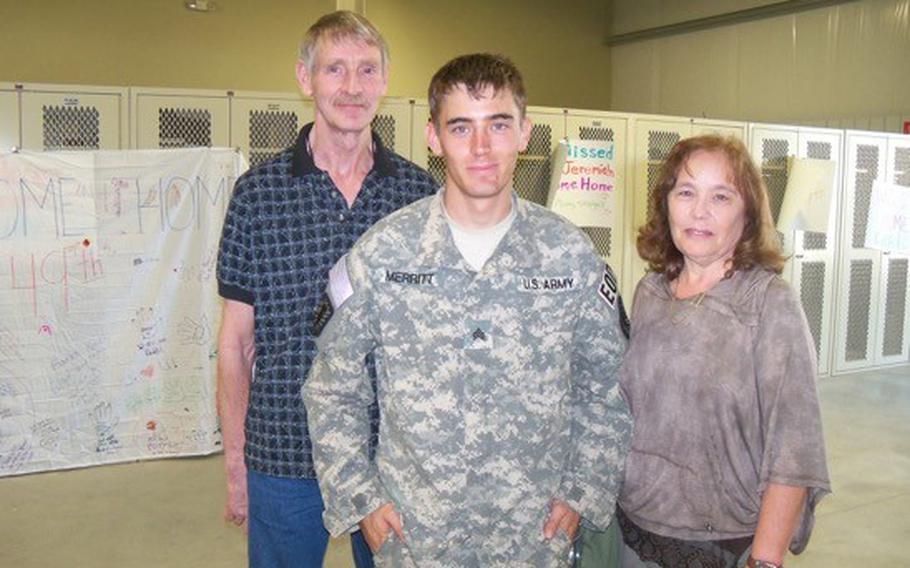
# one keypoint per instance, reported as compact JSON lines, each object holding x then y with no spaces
{"x":479,"y":430}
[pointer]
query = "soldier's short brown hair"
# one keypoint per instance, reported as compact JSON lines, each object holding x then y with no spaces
{"x":476,"y":72}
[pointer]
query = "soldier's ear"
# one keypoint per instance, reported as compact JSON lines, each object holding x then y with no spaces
{"x":433,"y":138}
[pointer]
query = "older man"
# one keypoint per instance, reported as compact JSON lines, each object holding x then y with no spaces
{"x":289,"y":221}
{"x":496,"y":332}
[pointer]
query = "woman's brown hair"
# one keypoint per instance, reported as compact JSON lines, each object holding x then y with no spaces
{"x":758,"y":245}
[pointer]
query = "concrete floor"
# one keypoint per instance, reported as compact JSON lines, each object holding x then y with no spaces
{"x":168,"y":513}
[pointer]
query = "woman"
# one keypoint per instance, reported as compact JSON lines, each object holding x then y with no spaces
{"x":727,"y":454}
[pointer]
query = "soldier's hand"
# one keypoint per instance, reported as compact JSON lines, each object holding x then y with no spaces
{"x":561,"y":517}
{"x":235,"y":509}
{"x":379,"y":524}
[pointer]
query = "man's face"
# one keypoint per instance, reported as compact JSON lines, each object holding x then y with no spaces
{"x":480,"y":138}
{"x":346,"y":84}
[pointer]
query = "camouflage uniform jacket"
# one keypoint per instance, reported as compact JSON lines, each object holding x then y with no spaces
{"x":498,"y":390}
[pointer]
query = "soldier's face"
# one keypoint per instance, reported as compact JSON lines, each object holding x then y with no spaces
{"x":346,"y":83}
{"x":480,"y":138}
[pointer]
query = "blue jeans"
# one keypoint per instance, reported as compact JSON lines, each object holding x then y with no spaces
{"x":285,"y":524}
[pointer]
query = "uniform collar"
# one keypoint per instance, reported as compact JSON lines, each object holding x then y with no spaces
{"x":518,"y":247}
{"x":302,"y":160}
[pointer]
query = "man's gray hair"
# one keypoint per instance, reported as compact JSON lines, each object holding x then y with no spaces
{"x":342,"y":24}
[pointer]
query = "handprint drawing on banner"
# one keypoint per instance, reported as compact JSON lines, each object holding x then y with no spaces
{"x":207,"y":265}
{"x":151,"y":341}
{"x":105,"y":422}
{"x":193,"y":331}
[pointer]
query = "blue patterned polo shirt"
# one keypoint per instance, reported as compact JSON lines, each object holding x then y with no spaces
{"x":286,"y":226}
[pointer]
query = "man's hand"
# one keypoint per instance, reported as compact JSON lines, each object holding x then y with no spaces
{"x":377,"y":525}
{"x":561,"y":517}
{"x":235,"y":510}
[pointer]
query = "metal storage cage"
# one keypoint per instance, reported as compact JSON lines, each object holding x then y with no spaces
{"x":893,"y":344}
{"x":179,"y":118}
{"x":812,"y":264}
{"x":264,"y":124}
{"x":73,"y":117}
{"x":872,"y":325}
{"x":855,"y":299}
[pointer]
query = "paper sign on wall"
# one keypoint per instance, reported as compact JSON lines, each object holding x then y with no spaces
{"x":889,"y":218}
{"x":583,"y":182}
{"x":807,"y":199}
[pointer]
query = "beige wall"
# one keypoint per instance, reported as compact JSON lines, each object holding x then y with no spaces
{"x":251,"y":45}
{"x":559,"y":46}
{"x":635,"y":15}
{"x":844,"y":61}
{"x":155,"y":42}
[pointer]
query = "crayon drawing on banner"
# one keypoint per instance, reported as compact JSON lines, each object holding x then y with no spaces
{"x":889,"y":218}
{"x":583,"y":182}
{"x":108,"y":305}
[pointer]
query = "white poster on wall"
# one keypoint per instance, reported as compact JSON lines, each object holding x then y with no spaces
{"x":889,"y":218}
{"x":108,"y":305}
{"x":583,"y":182}
{"x":808,"y":197}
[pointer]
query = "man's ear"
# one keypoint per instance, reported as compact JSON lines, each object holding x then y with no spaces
{"x":304,"y":79}
{"x":525,"y":133}
{"x":433,"y":138}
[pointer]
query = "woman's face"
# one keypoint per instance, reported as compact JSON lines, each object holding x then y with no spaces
{"x":707,"y":213}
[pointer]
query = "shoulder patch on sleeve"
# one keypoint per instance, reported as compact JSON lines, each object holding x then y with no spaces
{"x":608,"y":290}
{"x":339,"y":288}
{"x":337,"y":291}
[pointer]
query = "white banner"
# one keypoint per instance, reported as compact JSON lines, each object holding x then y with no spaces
{"x":583,"y":182}
{"x":889,"y":218}
{"x":108,"y":305}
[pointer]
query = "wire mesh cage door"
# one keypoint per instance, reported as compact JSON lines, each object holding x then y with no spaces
{"x":893,"y":345}
{"x":814,"y":261}
{"x":262,"y":126}
{"x":180,"y":120}
{"x":60,"y":120}
{"x":859,"y":268}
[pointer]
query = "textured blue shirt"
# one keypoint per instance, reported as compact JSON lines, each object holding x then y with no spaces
{"x":286,"y":226}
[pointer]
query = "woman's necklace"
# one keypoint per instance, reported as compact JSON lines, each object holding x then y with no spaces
{"x":681,"y":310}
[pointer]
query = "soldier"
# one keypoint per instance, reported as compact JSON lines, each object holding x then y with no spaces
{"x":495,"y":327}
